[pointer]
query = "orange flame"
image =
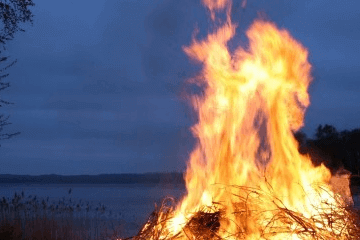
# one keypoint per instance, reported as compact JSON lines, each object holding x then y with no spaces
{"x":254,"y":100}
{"x":213,"y":5}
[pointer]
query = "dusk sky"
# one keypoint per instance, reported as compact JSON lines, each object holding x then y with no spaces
{"x":97,"y":87}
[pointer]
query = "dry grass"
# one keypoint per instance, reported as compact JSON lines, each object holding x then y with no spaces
{"x":155,"y":226}
{"x":327,"y":223}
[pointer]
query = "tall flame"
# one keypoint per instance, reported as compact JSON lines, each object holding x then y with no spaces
{"x":246,"y":156}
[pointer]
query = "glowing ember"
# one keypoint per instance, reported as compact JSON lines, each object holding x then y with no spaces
{"x":246,"y":179}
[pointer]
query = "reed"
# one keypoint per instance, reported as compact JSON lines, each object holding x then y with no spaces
{"x":30,"y":217}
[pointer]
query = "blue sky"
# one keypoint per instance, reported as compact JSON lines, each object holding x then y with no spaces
{"x":98,"y":84}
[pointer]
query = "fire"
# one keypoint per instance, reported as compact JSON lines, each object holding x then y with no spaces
{"x":246,"y":170}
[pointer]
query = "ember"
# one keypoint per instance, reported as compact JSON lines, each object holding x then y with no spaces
{"x":246,"y":179}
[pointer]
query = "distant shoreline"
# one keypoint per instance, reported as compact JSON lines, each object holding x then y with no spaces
{"x":145,"y":178}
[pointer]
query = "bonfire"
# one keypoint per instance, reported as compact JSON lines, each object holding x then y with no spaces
{"x":245,"y":178}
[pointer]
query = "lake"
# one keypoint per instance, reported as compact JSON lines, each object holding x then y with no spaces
{"x":130,"y":204}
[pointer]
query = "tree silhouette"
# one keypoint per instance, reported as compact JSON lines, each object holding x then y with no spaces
{"x":351,"y":140}
{"x":331,"y":146}
{"x":326,"y":132}
{"x":12,"y":14}
{"x":3,"y":85}
{"x":334,"y":149}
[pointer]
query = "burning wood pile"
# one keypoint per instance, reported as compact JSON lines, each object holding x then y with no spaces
{"x":245,"y":178}
{"x":329,"y":223}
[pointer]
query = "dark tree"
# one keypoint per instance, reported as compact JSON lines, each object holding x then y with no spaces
{"x":12,"y":14}
{"x":326,"y":132}
{"x":336,"y":150}
{"x":3,"y":85}
{"x":327,"y":148}
{"x":351,"y":140}
{"x":301,"y":138}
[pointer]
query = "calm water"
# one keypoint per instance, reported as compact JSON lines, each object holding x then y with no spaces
{"x":131,"y":204}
